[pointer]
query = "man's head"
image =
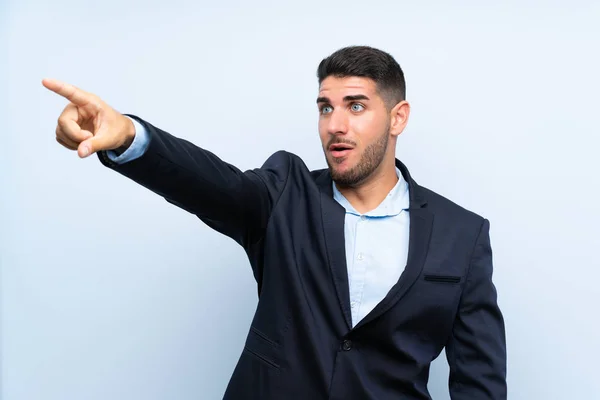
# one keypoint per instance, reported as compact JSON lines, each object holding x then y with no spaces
{"x":362,"y":110}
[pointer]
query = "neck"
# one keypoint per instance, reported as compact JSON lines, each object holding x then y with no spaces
{"x":369,"y":194}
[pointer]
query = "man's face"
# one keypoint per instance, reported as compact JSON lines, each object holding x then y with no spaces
{"x":354,"y":126}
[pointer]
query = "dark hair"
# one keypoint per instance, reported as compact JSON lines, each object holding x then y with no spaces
{"x":367,"y":62}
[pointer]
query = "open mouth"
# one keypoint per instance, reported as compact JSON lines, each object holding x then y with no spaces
{"x":340,"y":149}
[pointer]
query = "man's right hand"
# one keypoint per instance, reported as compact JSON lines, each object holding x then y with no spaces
{"x":88,"y":124}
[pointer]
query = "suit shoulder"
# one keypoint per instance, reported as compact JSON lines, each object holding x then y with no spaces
{"x":297,"y":170}
{"x":283,"y":165}
{"x":293,"y":165}
{"x":443,"y":205}
{"x":283,"y":158}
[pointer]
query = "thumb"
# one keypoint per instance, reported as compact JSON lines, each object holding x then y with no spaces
{"x":96,"y":143}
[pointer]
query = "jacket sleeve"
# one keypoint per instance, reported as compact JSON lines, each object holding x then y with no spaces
{"x":476,"y":350}
{"x":235,"y":203}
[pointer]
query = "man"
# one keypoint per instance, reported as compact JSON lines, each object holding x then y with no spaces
{"x":363,"y":275}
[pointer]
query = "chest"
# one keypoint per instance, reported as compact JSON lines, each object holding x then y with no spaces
{"x":376,"y":251}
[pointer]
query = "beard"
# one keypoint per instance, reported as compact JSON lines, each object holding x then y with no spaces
{"x":369,"y":161}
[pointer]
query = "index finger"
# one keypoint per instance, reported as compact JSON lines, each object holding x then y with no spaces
{"x":70,"y":92}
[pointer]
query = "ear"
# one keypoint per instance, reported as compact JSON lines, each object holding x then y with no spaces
{"x":399,"y":117}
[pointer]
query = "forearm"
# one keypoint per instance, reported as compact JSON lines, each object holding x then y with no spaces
{"x":196,"y":180}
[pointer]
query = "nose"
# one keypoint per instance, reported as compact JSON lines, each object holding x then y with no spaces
{"x":337,"y":123}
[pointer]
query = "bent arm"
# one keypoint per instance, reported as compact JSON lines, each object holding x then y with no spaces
{"x":235,"y":203}
{"x":476,"y":350}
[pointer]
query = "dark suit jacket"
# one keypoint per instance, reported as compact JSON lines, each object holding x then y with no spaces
{"x":301,"y":344}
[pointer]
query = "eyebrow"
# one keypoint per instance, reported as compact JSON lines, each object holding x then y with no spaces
{"x":346,"y":99}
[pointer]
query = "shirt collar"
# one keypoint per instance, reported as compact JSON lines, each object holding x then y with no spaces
{"x":393,"y":204}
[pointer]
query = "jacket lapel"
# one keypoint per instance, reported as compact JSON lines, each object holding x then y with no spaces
{"x":421,"y":222}
{"x":333,"y":216}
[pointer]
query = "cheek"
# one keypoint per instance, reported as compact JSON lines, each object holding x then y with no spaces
{"x":368,"y":127}
{"x":362,"y":127}
{"x":323,"y":135}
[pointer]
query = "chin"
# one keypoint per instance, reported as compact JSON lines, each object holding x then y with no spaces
{"x":342,"y":173}
{"x":340,"y":165}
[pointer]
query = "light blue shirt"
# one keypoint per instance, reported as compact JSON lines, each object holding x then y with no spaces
{"x":376,"y":247}
{"x":376,"y":242}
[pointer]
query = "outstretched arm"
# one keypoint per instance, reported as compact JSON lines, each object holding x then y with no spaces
{"x":233,"y":202}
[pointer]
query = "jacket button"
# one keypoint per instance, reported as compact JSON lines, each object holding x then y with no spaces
{"x":347,"y":345}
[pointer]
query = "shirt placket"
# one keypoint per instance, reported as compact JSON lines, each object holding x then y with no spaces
{"x":359,"y":269}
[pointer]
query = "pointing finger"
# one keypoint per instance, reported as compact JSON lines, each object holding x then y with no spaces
{"x":70,"y":92}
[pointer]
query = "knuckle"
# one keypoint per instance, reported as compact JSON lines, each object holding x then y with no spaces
{"x":62,"y":121}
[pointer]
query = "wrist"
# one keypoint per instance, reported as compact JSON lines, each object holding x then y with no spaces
{"x":129,"y":136}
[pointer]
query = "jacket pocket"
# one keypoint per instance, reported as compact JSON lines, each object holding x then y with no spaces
{"x":262,"y":348}
{"x":442,"y":278}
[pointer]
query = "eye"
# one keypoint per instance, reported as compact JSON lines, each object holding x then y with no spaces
{"x":326,"y":109}
{"x":357,"y":107}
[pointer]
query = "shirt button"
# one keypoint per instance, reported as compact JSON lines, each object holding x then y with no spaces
{"x":347,"y":345}
{"x":363,"y":217}
{"x":360,"y":257}
{"x":353,"y":304}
